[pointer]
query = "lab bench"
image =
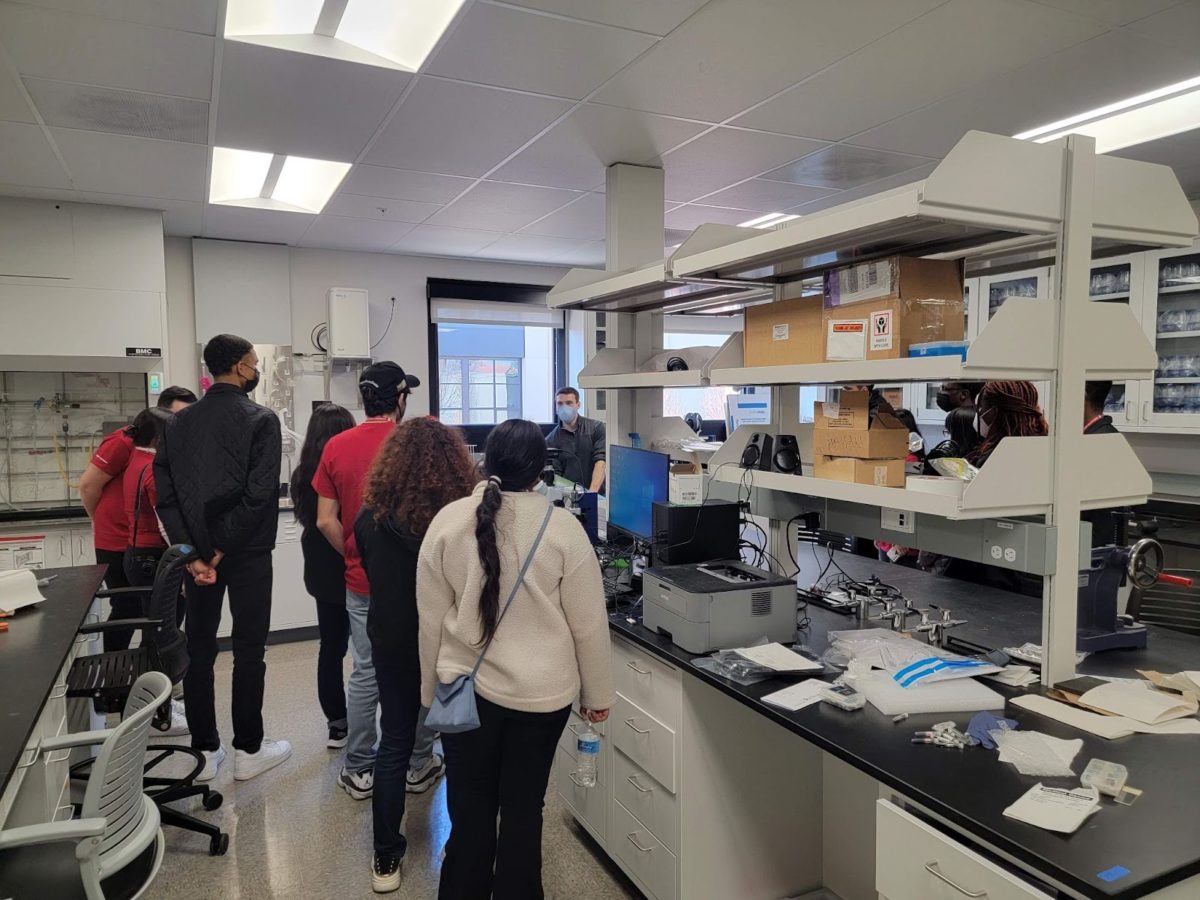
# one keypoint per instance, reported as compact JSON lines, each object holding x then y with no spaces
{"x":705,"y":791}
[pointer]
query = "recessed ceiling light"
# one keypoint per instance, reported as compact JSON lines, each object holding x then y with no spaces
{"x":770,"y":220}
{"x":273,"y":181}
{"x":397,"y":34}
{"x":1155,"y":114}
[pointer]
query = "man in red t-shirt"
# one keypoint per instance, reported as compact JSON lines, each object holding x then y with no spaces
{"x":339,"y":482}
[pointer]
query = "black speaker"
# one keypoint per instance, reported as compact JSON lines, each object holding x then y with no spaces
{"x":787,"y":454}
{"x":758,"y":452}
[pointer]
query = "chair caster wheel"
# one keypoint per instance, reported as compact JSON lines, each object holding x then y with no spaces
{"x":218,"y":845}
{"x":213,"y":801}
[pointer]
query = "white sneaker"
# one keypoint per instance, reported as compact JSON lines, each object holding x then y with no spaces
{"x":418,"y":781}
{"x":179,"y":725}
{"x":269,"y":755}
{"x":212,"y":762}
{"x":386,"y":873}
{"x":359,"y":785}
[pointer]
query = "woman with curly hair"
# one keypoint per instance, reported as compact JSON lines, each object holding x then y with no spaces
{"x":421,"y":467}
{"x":1006,"y":409}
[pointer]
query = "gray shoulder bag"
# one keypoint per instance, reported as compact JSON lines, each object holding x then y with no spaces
{"x":454,"y":709}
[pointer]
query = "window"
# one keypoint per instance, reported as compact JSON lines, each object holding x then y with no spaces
{"x":680,"y":332}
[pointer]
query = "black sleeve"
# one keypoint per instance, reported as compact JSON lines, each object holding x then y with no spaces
{"x":362,"y":538}
{"x":236,"y":526}
{"x":169,"y":507}
{"x":599,"y":446}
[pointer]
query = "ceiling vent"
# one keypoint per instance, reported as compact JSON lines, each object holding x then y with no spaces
{"x":89,"y":108}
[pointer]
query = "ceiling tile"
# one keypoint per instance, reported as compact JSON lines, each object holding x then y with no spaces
{"x":13,"y":106}
{"x":693,"y":215}
{"x":590,"y":254}
{"x":576,"y":151}
{"x":1177,"y":26}
{"x":301,"y":104}
{"x":583,"y":220}
{"x":358,"y":207}
{"x":434,"y":240}
{"x":184,"y":15}
{"x":89,"y":108}
{"x":766,"y":196}
{"x":1189,"y":180}
{"x":1113,"y":12}
{"x":37,"y":193}
{"x":239,"y":223}
{"x":970,"y":40}
{"x":89,"y":50}
{"x":116,"y":164}
{"x":180,"y":217}
{"x":460,"y":129}
{"x":732,"y":54}
{"x":1107,"y":68}
{"x":531,"y":248}
{"x":27,"y":158}
{"x":493,"y":206}
{"x":517,"y":49}
{"x":725,"y":155}
{"x":658,"y":17}
{"x":334,"y":233}
{"x":1178,"y":151}
{"x":400,"y":184}
{"x":843,"y":166}
{"x":866,"y":190}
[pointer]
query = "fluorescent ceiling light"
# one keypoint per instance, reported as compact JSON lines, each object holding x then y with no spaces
{"x":397,"y":34}
{"x":1155,"y":114}
{"x":770,"y":220}
{"x":272,"y":181}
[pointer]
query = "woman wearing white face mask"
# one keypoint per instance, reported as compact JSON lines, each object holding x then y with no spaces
{"x":1006,"y":409}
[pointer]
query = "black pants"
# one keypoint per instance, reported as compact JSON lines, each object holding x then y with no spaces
{"x":248,"y":578}
{"x":399,"y":680}
{"x":502,"y":768}
{"x":129,"y":607}
{"x":333,"y":625}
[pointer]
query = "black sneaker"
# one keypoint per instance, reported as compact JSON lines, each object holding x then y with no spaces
{"x":337,"y":738}
{"x":385,"y":873}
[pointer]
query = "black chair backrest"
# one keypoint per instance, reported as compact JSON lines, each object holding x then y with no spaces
{"x":168,"y":641}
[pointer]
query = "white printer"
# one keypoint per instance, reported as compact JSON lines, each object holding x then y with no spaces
{"x":718,"y":605}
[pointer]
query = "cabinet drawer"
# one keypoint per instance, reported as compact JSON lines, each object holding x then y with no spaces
{"x":645,"y":740}
{"x":652,"y":685}
{"x":654,"y":806}
{"x":642,"y":853}
{"x":915,"y":861}
{"x":588,"y":804}
{"x":566,"y":743}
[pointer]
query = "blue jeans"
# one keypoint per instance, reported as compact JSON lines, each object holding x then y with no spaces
{"x":405,"y":742}
{"x":362,"y":693}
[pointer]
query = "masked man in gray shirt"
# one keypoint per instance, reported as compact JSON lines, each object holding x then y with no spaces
{"x":582,"y":442}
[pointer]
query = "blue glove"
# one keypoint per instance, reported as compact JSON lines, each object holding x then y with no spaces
{"x":985,"y":722}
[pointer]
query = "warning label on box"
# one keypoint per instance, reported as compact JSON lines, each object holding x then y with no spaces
{"x":846,"y":340}
{"x":881,"y":330}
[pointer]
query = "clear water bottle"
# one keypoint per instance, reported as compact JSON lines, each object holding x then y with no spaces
{"x":587,"y":746}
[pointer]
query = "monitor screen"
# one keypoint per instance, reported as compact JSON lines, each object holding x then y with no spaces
{"x":637,"y":478}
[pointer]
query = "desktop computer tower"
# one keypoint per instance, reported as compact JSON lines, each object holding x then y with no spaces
{"x":692,"y":534}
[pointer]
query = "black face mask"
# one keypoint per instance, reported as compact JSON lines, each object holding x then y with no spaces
{"x":945,"y":402}
{"x":250,"y":385}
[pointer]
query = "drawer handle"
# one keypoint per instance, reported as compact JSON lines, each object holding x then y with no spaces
{"x":68,"y":808}
{"x":632,"y":779}
{"x":577,"y":782}
{"x":66,"y":754}
{"x":35,"y":753}
{"x":632,"y":838}
{"x":573,"y":728}
{"x":58,"y":692}
{"x":932,"y":868}
{"x":629,"y":722}
{"x":634,"y":666}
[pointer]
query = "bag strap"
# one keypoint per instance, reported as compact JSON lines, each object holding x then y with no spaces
{"x":516,"y":586}
{"x":137,"y":507}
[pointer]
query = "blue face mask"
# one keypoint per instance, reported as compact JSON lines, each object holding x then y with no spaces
{"x":567,"y":414}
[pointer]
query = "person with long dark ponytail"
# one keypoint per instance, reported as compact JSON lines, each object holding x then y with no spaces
{"x":547,"y":648}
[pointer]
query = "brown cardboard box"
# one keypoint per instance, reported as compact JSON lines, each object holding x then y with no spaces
{"x":849,"y":430}
{"x":784,"y":333}
{"x":879,"y":472}
{"x":876,"y":310}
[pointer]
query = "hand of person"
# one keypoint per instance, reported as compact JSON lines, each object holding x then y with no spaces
{"x":216,"y":560}
{"x":202,"y":572}
{"x":594,"y":715}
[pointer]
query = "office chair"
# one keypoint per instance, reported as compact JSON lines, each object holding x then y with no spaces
{"x":107,"y":677}
{"x":115,"y":848}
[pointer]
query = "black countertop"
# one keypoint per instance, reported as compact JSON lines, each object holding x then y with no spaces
{"x":1154,"y":839}
{"x":64,"y":514}
{"x":32,"y":653}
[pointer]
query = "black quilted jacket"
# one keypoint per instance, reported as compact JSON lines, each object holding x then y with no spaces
{"x":217,"y":473}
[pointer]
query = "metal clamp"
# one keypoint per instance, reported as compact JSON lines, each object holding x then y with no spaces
{"x":629,"y":722}
{"x":634,"y":666}
{"x":632,"y":840}
{"x":632,"y":779}
{"x":932,"y":868}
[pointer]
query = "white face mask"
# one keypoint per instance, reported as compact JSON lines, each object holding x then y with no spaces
{"x":981,"y":426}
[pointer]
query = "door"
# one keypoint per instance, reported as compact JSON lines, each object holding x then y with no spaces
{"x":1121,"y":279}
{"x":1171,"y":316}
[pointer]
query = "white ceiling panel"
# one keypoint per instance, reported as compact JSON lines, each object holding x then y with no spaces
{"x":964,"y":42}
{"x":658,"y":17}
{"x":843,"y":166}
{"x":1189,"y":180}
{"x":400,"y":184}
{"x":355,"y":206}
{"x":13,"y":107}
{"x":522,"y":50}
{"x":732,"y":53}
{"x":1107,"y":68}
{"x":866,"y":190}
{"x":296,"y":103}
{"x":1113,"y":12}
{"x":583,"y":220}
{"x":576,"y":151}
{"x":434,"y":240}
{"x":460,"y":129}
{"x":494,"y":206}
{"x":184,"y":15}
{"x":27,"y":159}
{"x":38,"y":193}
{"x":725,"y":155}
{"x":1178,"y":151}
{"x":116,"y":164}
{"x":531,"y":248}
{"x":1177,"y":26}
{"x":766,"y":196}
{"x":268,"y":226}
{"x":334,"y":233}
{"x":89,"y":108}
{"x":89,"y":50}
{"x":692,"y":215}
{"x":181,"y":218}
{"x":591,"y":253}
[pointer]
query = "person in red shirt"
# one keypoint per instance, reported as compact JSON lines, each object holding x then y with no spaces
{"x":339,"y":482}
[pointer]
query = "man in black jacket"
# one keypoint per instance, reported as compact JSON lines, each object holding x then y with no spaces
{"x":217,"y":472}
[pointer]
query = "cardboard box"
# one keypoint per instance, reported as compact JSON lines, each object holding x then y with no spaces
{"x":783,"y":333}
{"x":879,"y":472}
{"x":685,"y":485}
{"x":848,"y":429}
{"x":876,"y":310}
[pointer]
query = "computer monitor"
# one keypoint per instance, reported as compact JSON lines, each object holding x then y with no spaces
{"x":637,"y":479}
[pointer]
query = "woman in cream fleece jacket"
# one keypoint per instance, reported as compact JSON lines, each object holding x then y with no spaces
{"x":550,"y":647}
